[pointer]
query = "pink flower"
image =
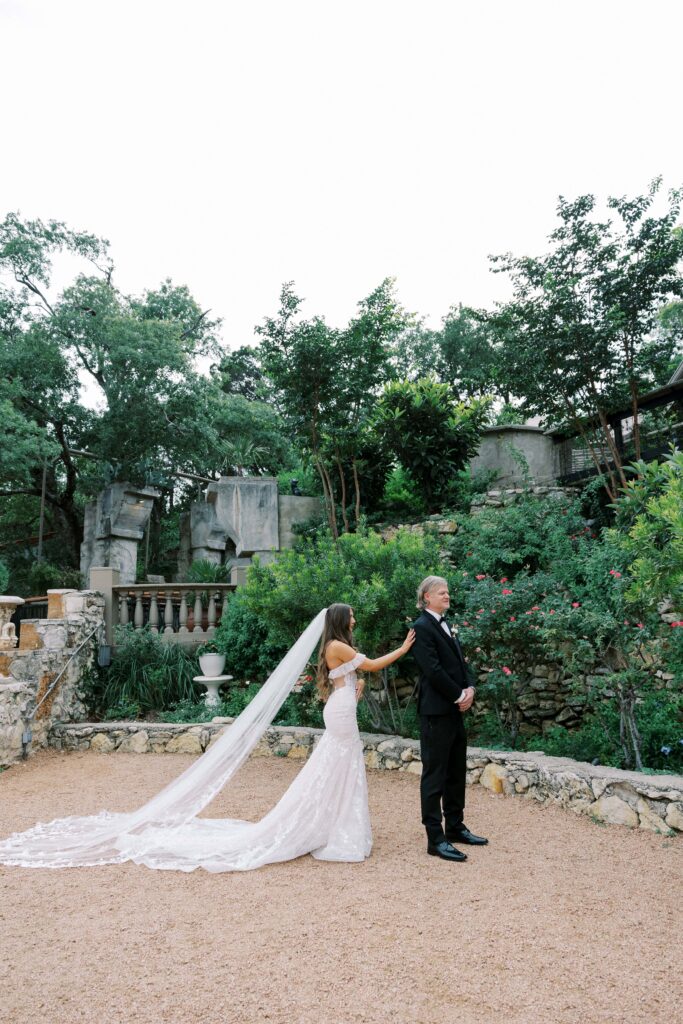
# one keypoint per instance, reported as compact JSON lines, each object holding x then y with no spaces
{"x":478,"y":649}
{"x":512,"y":618}
{"x":504,"y":579}
{"x":676,"y":624}
{"x":506,"y":670}
{"x":640,"y":625}
{"x":480,"y":612}
{"x":465,"y":623}
{"x":506,"y":592}
{"x":481,"y":576}
{"x":535,"y":607}
{"x":626,"y":622}
{"x":617,"y":575}
{"x":575,"y":604}
{"x":551,"y":612}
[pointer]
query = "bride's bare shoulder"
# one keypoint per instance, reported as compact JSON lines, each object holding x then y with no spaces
{"x":338,"y":653}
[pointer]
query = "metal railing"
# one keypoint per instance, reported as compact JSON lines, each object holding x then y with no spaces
{"x":32,"y":608}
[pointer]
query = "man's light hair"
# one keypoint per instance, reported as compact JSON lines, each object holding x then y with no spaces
{"x":431,"y":583}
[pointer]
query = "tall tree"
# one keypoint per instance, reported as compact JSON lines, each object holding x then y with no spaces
{"x":575,"y":336}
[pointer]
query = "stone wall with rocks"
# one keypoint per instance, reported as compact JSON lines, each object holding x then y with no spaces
{"x":27,"y":672}
{"x":651,"y":802}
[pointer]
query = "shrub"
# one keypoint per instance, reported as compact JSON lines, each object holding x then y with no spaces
{"x":44,"y":576}
{"x":146,"y":674}
{"x":243,"y":636}
{"x":377,"y":577}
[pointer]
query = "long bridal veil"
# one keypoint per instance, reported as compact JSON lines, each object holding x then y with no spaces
{"x":102,"y":838}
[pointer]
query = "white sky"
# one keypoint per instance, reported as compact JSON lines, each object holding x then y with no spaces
{"x":232,"y":146}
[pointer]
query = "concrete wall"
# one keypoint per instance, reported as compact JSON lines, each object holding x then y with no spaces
{"x":495,"y":453}
{"x":295,"y":509}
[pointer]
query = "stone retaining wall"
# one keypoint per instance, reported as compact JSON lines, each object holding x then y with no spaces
{"x":652,"y":802}
{"x":27,"y":672}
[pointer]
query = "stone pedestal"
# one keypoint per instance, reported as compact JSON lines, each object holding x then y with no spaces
{"x":113,"y":527}
{"x":213,"y":685}
{"x":8,"y":635}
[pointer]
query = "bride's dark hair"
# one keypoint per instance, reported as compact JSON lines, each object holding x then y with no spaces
{"x":337,"y":627}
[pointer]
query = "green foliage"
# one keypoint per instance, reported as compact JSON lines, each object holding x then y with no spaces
{"x":44,"y":576}
{"x":649,"y":529}
{"x":155,"y":412}
{"x":4,"y":577}
{"x":577,"y":339}
{"x":302,"y":707}
{"x":204,"y":571}
{"x":402,"y":495}
{"x":244,"y":637}
{"x":145,"y":674}
{"x":529,"y":535}
{"x":429,"y":433}
{"x":659,"y":719}
{"x":377,"y":578}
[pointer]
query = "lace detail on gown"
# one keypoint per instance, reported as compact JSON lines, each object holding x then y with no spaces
{"x":324,"y":812}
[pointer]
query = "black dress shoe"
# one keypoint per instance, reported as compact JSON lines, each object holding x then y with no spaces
{"x":463,"y":835}
{"x":445,"y":851}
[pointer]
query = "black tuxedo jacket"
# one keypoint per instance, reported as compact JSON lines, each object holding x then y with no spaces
{"x":443,"y":670}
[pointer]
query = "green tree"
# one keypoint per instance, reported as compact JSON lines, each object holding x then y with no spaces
{"x":576,"y":339}
{"x":153,"y":414}
{"x":429,"y":433}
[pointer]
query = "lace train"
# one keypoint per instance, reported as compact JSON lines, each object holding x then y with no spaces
{"x":324,"y":812}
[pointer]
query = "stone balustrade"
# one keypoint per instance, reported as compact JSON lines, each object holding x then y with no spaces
{"x":179,"y":612}
{"x":650,"y":802}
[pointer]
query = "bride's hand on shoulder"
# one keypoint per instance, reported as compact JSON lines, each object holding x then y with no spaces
{"x":408,"y":642}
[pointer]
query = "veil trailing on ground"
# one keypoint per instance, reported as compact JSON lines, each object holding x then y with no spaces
{"x":102,"y":838}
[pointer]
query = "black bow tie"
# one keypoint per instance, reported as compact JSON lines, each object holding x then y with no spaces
{"x":442,"y":619}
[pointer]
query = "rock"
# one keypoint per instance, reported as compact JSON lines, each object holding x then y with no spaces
{"x":298,"y":753}
{"x":102,"y":743}
{"x":415,"y":768}
{"x":407,"y":754}
{"x":614,"y":811}
{"x":674,"y":816}
{"x":371,"y":759}
{"x":493,"y":777}
{"x":390,"y":763}
{"x":522,"y":782}
{"x":218,"y":720}
{"x":650,"y":820}
{"x":136,"y":743}
{"x":599,"y":786}
{"x":185,"y":743}
{"x":386,"y":745}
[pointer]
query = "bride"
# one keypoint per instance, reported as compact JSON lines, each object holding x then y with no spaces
{"x":324,"y":812}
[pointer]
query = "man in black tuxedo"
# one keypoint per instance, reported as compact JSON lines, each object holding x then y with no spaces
{"x":445,"y":693}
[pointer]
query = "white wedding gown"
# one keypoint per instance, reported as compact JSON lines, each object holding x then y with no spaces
{"x":324,"y":812}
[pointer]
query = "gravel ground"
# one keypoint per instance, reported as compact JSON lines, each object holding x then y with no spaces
{"x":558,"y":921}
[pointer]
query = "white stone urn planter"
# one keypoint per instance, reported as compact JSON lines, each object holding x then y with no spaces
{"x":212,"y":664}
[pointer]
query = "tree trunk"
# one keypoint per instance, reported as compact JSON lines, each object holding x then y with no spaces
{"x":343,"y":494}
{"x":356,"y":484}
